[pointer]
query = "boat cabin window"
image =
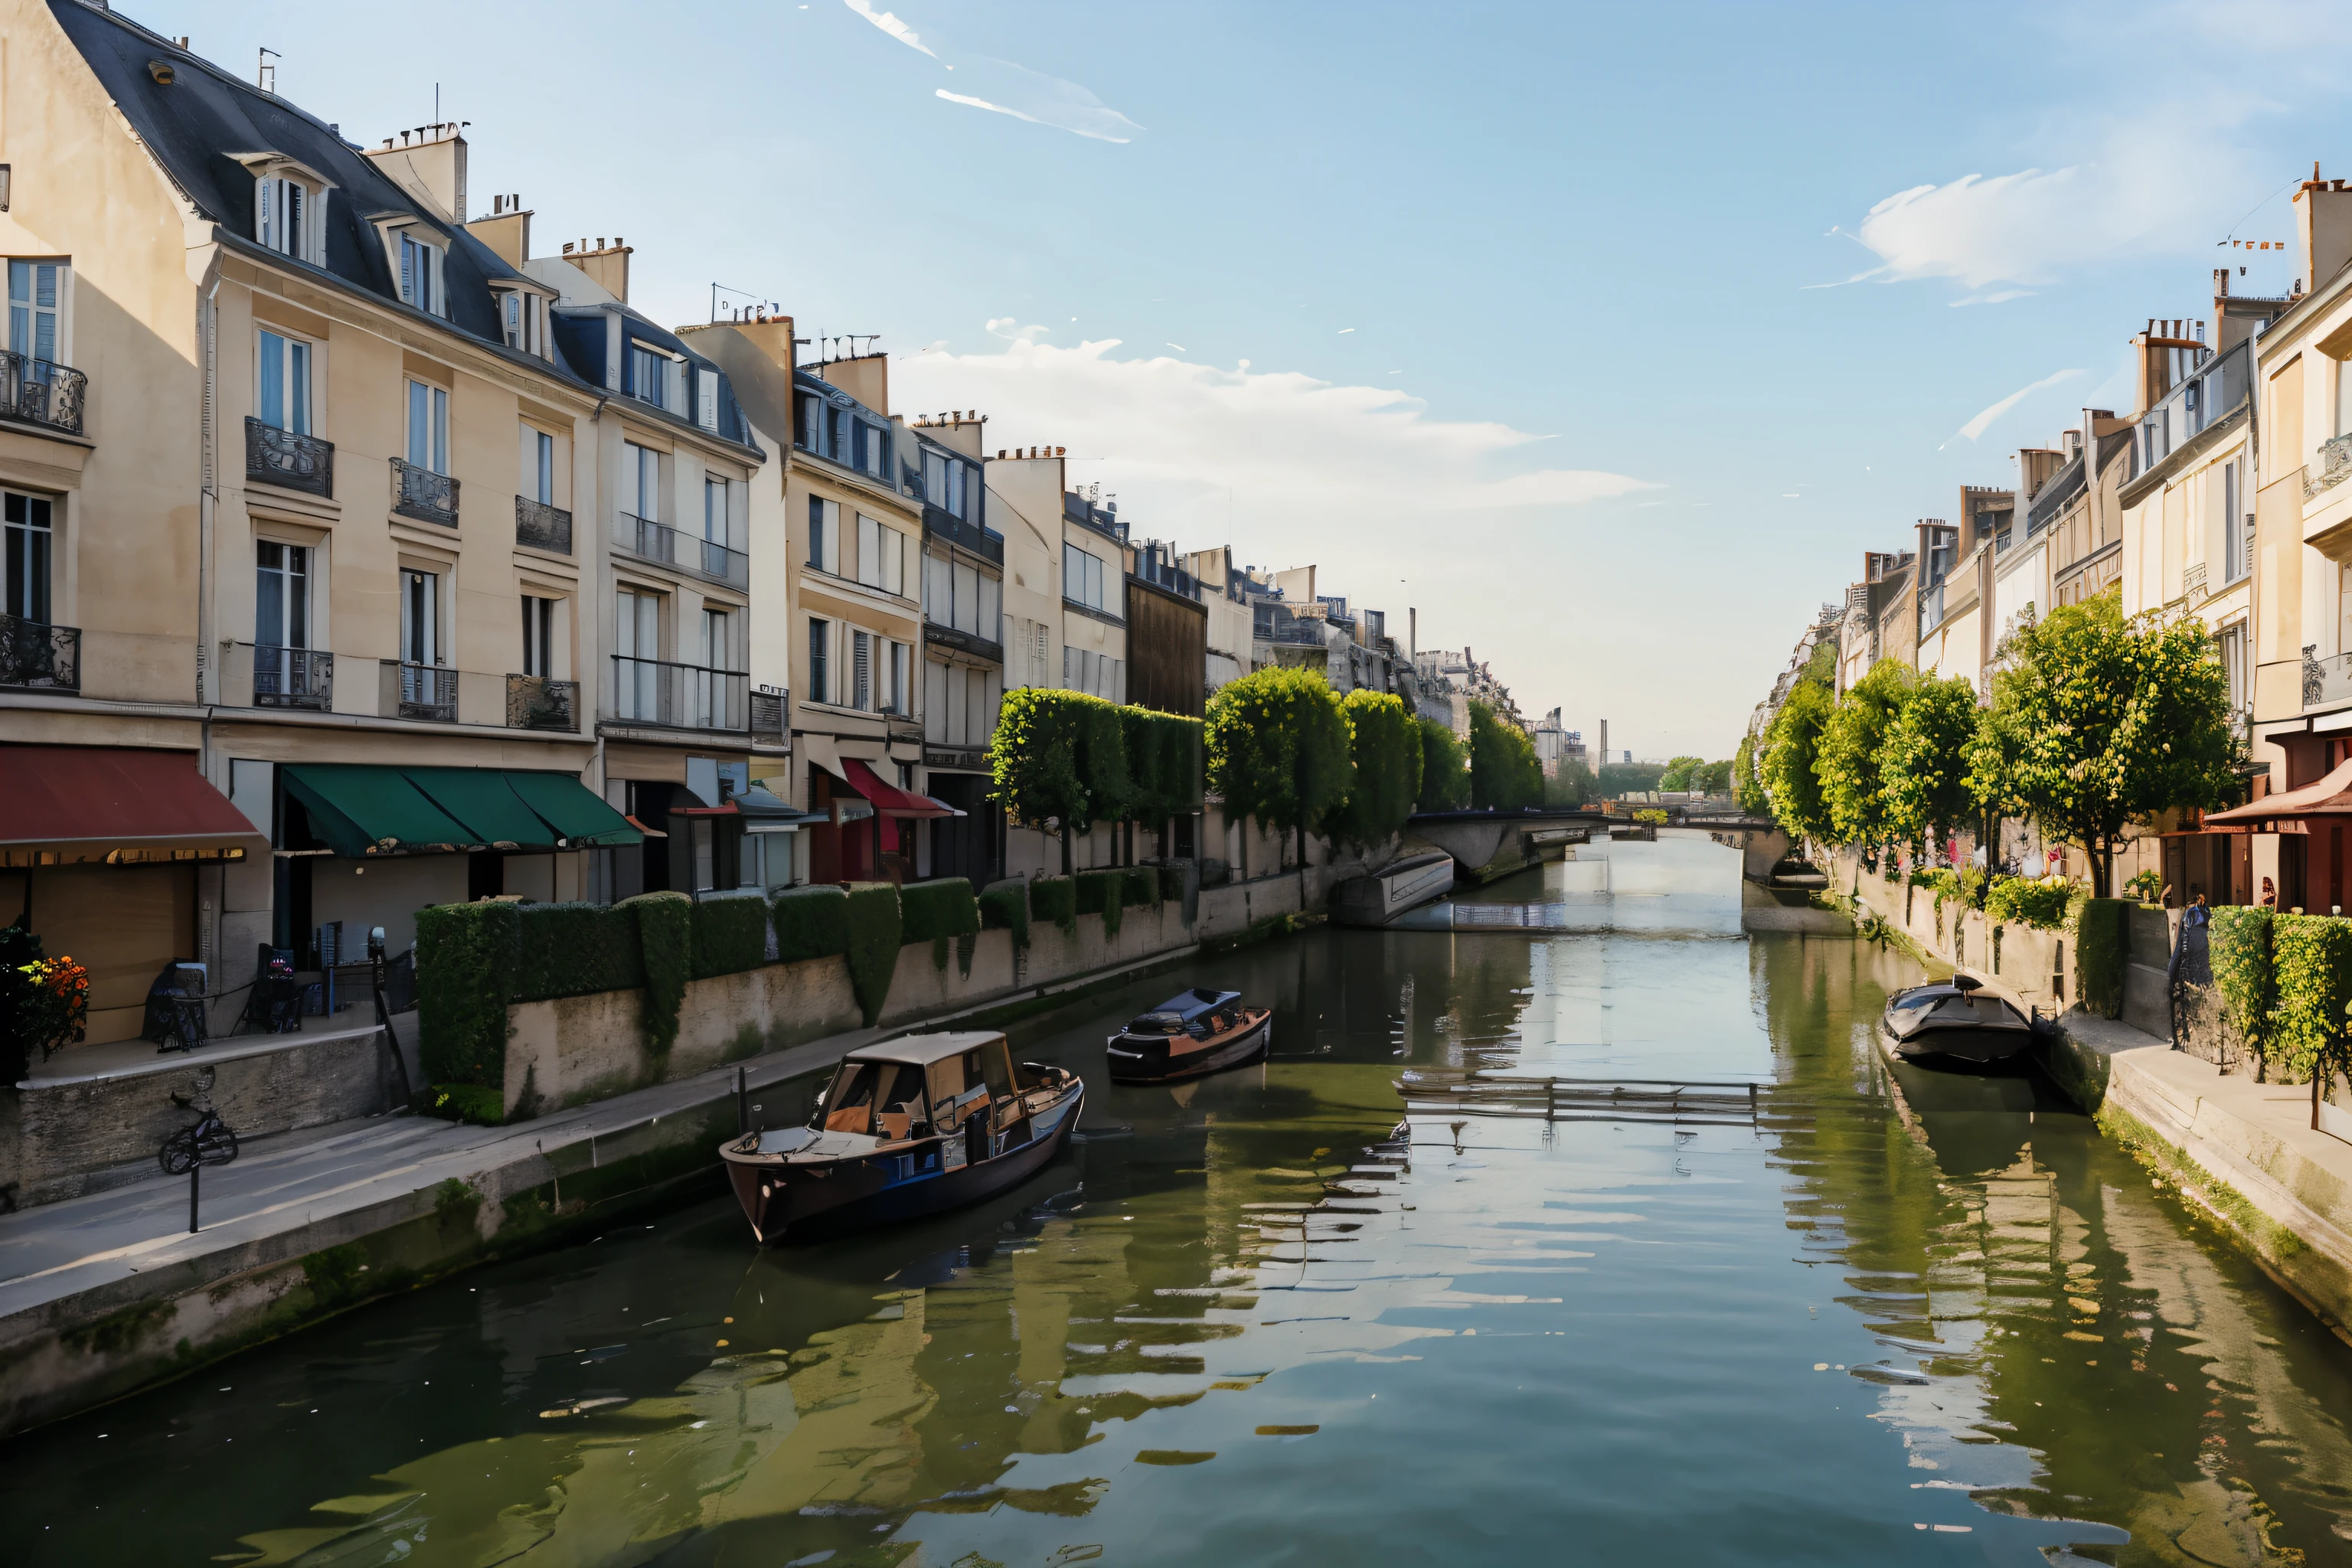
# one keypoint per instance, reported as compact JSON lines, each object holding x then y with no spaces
{"x":992,"y":1064}
{"x":1161,"y":1023}
{"x":883,"y":1099}
{"x":959,"y":1082}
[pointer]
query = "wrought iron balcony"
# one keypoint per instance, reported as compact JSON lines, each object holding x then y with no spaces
{"x":538,"y":702}
{"x":275,"y":457}
{"x":945,"y":524}
{"x":420,"y":692}
{"x":41,"y":393}
{"x":963,"y":641}
{"x":679,"y":696}
{"x":38,"y":657}
{"x":542,"y":527}
{"x":642,"y":536}
{"x":423,"y":494}
{"x":293,"y":677}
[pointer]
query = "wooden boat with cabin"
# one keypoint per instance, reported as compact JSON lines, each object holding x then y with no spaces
{"x":1190,"y":1033}
{"x":908,"y":1127}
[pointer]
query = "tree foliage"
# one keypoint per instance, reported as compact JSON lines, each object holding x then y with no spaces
{"x":1620,"y":779}
{"x":1678,"y":772}
{"x":1504,"y":771}
{"x":1278,"y":748}
{"x":1791,"y":744}
{"x":1847,"y":763}
{"x":1744,"y":783}
{"x":2102,"y":722}
{"x":1573,"y":785}
{"x":1164,"y":764}
{"x":1923,"y":764}
{"x":1444,"y":780}
{"x":1385,"y":742}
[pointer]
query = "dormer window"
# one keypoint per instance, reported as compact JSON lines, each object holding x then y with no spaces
{"x":522,"y":320}
{"x":289,"y":206}
{"x":705,"y":399}
{"x":420,"y":275}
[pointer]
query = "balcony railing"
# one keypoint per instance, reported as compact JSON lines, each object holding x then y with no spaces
{"x":419,"y":691}
{"x":768,"y":709}
{"x":657,"y":542}
{"x":967,"y":642}
{"x":40,"y":393}
{"x":275,"y":457}
{"x":542,"y":527}
{"x":423,"y":494}
{"x":679,"y":696}
{"x":539,"y":703}
{"x":293,"y":677}
{"x":947,"y":525}
{"x":38,"y":657}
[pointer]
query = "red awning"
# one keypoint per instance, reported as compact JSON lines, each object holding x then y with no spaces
{"x":2330,"y":796}
{"x":124,"y":804}
{"x":888,"y":799}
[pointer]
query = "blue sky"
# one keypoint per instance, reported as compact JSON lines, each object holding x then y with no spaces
{"x":1608,"y":336}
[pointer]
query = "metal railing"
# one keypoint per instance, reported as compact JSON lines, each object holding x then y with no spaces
{"x":2335,"y":463}
{"x":41,"y":392}
{"x":2326,"y":681}
{"x":541,"y":702}
{"x":946,"y":525}
{"x":275,"y":457}
{"x":541,"y":526}
{"x":653,"y":541}
{"x":679,"y":696}
{"x":420,"y":692}
{"x":423,"y":494}
{"x":293,"y":677}
{"x":37,"y":655}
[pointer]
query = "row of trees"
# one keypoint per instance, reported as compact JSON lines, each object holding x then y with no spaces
{"x":2096,"y":723}
{"x":1278,"y":746}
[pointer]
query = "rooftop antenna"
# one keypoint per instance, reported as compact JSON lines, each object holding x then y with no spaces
{"x":265,"y":74}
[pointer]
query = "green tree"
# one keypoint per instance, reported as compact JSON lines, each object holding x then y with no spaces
{"x":2108,"y":720}
{"x":1278,"y":749}
{"x":1745,"y":784}
{"x":1620,"y":779}
{"x":1792,"y":745}
{"x":1385,"y":742}
{"x":1444,"y":780}
{"x":1847,"y":761}
{"x":1712,"y":778}
{"x":1573,"y":786}
{"x":1923,"y":765}
{"x":1059,"y":757}
{"x":1678,"y":772}
{"x":1505,"y":774}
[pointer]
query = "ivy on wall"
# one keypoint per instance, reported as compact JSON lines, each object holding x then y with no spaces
{"x":872,"y":927}
{"x":1103,"y":893}
{"x":1055,"y":899}
{"x":808,"y":923}
{"x":730,"y":934}
{"x":466,"y":960}
{"x":2239,"y":946}
{"x":574,"y":949}
{"x":665,"y":936}
{"x":2102,"y":946}
{"x":1004,"y":906}
{"x":2311,"y":965}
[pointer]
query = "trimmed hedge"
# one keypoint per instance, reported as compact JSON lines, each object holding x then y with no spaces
{"x":575,"y":949}
{"x":2311,"y":964}
{"x":2036,"y":901}
{"x":466,"y":957}
{"x":1144,"y":885}
{"x":808,"y":923}
{"x":939,"y":909}
{"x":2239,"y":943}
{"x":872,"y":927}
{"x":1004,"y":906}
{"x":1100,"y":893}
{"x":2102,"y":947}
{"x":1055,"y":899}
{"x":666,"y":937}
{"x":730,"y":934}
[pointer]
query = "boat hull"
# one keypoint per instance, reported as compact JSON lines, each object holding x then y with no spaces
{"x":1131,"y":1066}
{"x":1974,"y":1046}
{"x":785,"y":1202}
{"x":1378,"y":898}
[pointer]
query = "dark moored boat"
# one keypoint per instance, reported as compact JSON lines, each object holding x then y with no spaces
{"x":1956,"y":1020}
{"x":918,"y":1124}
{"x":1192,"y":1033}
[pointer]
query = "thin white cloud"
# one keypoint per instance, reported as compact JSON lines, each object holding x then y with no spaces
{"x":891,"y":24}
{"x":1983,"y":420}
{"x":1179,"y":348}
{"x":991,"y":108}
{"x":1998,"y":297}
{"x":1343,"y":331}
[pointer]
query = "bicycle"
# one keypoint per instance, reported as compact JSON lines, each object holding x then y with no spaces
{"x":208,"y":1140}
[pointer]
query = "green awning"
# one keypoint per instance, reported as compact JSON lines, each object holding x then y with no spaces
{"x":577,"y":816}
{"x":360,"y":809}
{"x":483,"y":800}
{"x":364,"y":810}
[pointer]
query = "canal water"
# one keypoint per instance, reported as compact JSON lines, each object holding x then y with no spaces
{"x":1938,"y":1319}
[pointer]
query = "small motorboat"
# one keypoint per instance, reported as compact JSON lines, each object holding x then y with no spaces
{"x":1956,"y":1020}
{"x":1402,"y":885}
{"x":917,"y":1124}
{"x":1191,"y":1033}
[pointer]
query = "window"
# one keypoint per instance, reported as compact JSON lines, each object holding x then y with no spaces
{"x":861,"y":671}
{"x":710,"y":691}
{"x":428,"y":427}
{"x":947,"y":483}
{"x":714,"y":510}
{"x":1082,"y":577}
{"x":284,"y":383}
{"x":35,"y":292}
{"x":522,"y":320}
{"x":420,"y":275}
{"x":420,"y":617}
{"x":714,"y":639}
{"x":820,"y":686}
{"x":280,"y":216}
{"x":2233,"y":661}
{"x":641,"y":482}
{"x":281,"y":597}
{"x":537,"y":636}
{"x":538,"y":466}
{"x":896,"y":692}
{"x":705,"y":399}
{"x":2233,"y":525}
{"x":881,"y":556}
{"x":1097,"y":675}
{"x":810,"y":437}
{"x":825,"y":535}
{"x":650,"y":376}
{"x":28,"y":545}
{"x":637,"y":640}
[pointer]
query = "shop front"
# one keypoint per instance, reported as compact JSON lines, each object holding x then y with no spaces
{"x":866,"y":831}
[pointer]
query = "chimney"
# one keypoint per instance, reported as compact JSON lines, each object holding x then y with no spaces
{"x":606,"y":266}
{"x":429,"y":163}
{"x":2323,"y":222}
{"x":506,"y":231}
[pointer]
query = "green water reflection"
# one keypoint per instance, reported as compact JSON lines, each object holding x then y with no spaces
{"x":1867,"y":1327}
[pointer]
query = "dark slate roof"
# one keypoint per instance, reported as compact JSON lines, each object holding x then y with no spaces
{"x":193,"y":127}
